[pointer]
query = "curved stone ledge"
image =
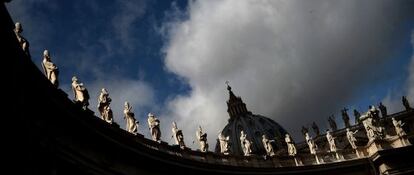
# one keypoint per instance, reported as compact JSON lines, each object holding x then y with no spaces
{"x":64,"y":139}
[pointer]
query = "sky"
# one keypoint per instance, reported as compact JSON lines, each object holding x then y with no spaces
{"x":295,"y":61}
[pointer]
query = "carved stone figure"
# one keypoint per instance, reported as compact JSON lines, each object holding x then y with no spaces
{"x":80,"y":92}
{"x":290,"y":145}
{"x":154,"y":127}
{"x":107,"y":114}
{"x":357,"y":115}
{"x":331,"y":141}
{"x":351,"y":138}
{"x":268,"y":145}
{"x":178,"y":135}
{"x":371,"y":125}
{"x":307,"y":137}
{"x":24,"y":44}
{"x":332,"y":123}
{"x":398,"y":127}
{"x":103,"y":101}
{"x":383,"y":109}
{"x":312,"y":146}
{"x":374,"y":112}
{"x":202,"y":139}
{"x":247,"y":145}
{"x":332,"y":145}
{"x":129,"y":116}
{"x":345,"y":117}
{"x":367,"y":122}
{"x":304,"y":130}
{"x":50,"y":69}
{"x":406,"y":103}
{"x":315,"y":128}
{"x":224,"y":143}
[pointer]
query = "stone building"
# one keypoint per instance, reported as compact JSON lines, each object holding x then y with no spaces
{"x":254,"y":125}
{"x":53,"y":135}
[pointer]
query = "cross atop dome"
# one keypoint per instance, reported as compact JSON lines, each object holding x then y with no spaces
{"x":232,"y":97}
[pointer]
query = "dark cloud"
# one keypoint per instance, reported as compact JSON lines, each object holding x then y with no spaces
{"x":294,"y":61}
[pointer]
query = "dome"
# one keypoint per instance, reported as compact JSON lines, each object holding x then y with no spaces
{"x":253,"y":125}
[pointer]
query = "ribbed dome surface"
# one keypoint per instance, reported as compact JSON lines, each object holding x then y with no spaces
{"x":253,"y":125}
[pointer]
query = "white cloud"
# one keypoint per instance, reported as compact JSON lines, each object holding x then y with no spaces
{"x":294,"y":61}
{"x":128,"y":13}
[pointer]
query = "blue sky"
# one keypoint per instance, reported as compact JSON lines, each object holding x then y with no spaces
{"x":129,"y":42}
{"x":294,"y":61}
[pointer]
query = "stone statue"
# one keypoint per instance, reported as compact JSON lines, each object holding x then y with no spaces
{"x":178,"y":135}
{"x":383,"y":109}
{"x":129,"y":116}
{"x":290,"y":145}
{"x":356,"y":115}
{"x":332,"y":122}
{"x":367,"y":122}
{"x":374,"y":112}
{"x":154,"y":127}
{"x":331,"y":141}
{"x":332,"y":145}
{"x":247,"y":145}
{"x":304,"y":130}
{"x":315,"y":128}
{"x":103,"y":101}
{"x":224,"y":143}
{"x":345,"y":117}
{"x":406,"y":103}
{"x":312,"y":146}
{"x":80,"y":92}
{"x":307,"y":137}
{"x":371,"y":125}
{"x":107,"y":114}
{"x":24,"y":44}
{"x":398,"y":127}
{"x":351,"y":138}
{"x":50,"y":69}
{"x":202,"y":139}
{"x":268,"y":145}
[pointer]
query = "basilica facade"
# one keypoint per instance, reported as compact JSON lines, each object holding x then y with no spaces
{"x":67,"y":138}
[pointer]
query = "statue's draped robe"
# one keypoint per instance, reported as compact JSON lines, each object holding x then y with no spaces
{"x":154,"y":125}
{"x":131,"y":124}
{"x":51,"y":71}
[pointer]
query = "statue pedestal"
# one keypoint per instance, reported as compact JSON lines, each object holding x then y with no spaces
{"x":176,"y":147}
{"x":357,"y":152}
{"x":376,"y":145}
{"x":275,"y":161}
{"x":298,"y":161}
{"x":89,"y":112}
{"x":138,"y":135}
{"x":116,"y":125}
{"x":338,"y":156}
{"x":397,"y":141}
{"x":317,"y":159}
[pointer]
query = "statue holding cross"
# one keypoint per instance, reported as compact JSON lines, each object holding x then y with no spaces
{"x":345,"y":117}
